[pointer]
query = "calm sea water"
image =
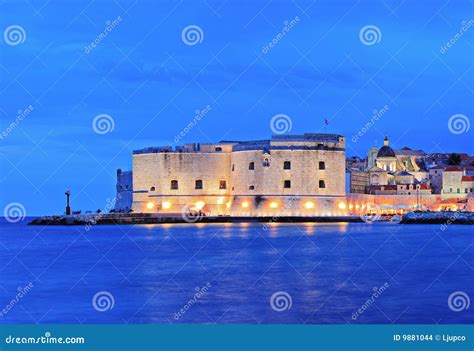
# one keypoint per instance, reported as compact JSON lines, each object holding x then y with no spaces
{"x":317,"y":273}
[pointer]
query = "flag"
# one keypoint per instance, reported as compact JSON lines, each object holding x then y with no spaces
{"x":326,"y":122}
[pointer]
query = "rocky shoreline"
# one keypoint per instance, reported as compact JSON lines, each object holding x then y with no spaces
{"x":146,"y":218}
{"x":445,"y":218}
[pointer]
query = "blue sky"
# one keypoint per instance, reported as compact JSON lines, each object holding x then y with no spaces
{"x":151,"y":83}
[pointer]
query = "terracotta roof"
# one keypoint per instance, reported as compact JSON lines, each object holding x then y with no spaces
{"x":467,"y":179}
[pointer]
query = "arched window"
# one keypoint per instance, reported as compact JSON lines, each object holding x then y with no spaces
{"x":222,"y":184}
{"x":152,"y":188}
{"x":266,"y":162}
{"x":287,"y":165}
{"x":287,"y":184}
{"x":251,"y":166}
{"x":174,"y":185}
{"x":322,"y":165}
{"x":322,"y":184}
{"x":198,"y":184}
{"x":218,"y":149}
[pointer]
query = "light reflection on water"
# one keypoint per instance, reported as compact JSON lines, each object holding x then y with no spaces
{"x":329,"y":269}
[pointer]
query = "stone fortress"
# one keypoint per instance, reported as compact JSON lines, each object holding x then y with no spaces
{"x":288,"y":175}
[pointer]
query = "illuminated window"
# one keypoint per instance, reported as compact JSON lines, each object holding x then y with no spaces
{"x":251,"y":166}
{"x":322,"y":184}
{"x":198,"y":184}
{"x":322,"y":165}
{"x":174,"y":185}
{"x":287,"y":165}
{"x":287,"y":184}
{"x":222,"y":184}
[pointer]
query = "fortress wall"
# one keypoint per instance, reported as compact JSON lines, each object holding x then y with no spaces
{"x":158,"y":169}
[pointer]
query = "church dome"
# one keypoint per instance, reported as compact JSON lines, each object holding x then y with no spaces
{"x":385,"y":150}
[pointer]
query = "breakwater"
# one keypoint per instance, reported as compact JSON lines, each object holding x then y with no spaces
{"x":148,"y":218}
{"x":445,"y":218}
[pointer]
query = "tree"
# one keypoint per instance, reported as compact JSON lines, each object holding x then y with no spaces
{"x":454,"y":159}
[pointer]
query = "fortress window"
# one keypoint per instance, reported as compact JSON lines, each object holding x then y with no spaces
{"x":251,"y":187}
{"x":222,"y":184}
{"x":174,"y":185}
{"x":322,"y":184}
{"x":266,"y":163}
{"x":218,"y":149}
{"x":322,"y":165}
{"x":198,"y":184}
{"x":287,"y":165}
{"x":251,"y":166}
{"x":287,"y":184}
{"x":232,"y":167}
{"x":152,"y":188}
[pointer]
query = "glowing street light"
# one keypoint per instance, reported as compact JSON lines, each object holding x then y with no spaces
{"x":150,"y":205}
{"x":309,"y":205}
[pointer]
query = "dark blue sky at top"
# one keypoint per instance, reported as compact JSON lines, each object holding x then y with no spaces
{"x":150,"y":82}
